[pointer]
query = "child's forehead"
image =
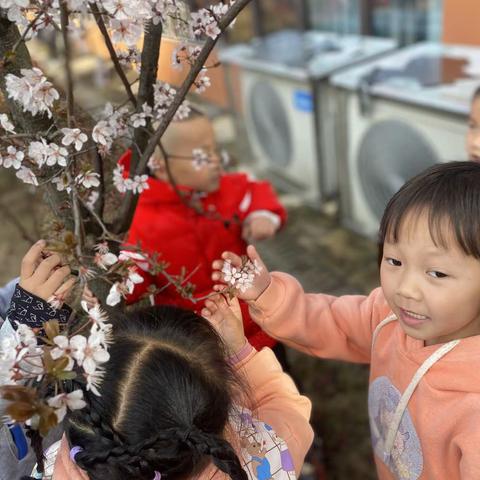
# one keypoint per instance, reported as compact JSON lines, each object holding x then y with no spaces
{"x":421,"y":225}
{"x":196,"y":131}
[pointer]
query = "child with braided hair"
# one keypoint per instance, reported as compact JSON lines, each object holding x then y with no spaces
{"x":183,"y":397}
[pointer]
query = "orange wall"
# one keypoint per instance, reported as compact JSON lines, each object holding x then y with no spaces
{"x":461,"y":20}
{"x":217,"y":93}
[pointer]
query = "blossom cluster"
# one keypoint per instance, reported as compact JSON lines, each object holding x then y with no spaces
{"x":242,"y":277}
{"x":29,"y":365}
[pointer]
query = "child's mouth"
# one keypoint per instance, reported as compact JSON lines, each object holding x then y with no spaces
{"x":412,"y":319}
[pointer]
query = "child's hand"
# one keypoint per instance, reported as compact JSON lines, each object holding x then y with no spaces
{"x":44,"y":276}
{"x":89,"y":298}
{"x":258,"y":228}
{"x":226,"y":317}
{"x":259,"y":283}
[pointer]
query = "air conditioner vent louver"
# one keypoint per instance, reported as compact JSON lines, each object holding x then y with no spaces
{"x":271,"y":124}
{"x":391,"y":153}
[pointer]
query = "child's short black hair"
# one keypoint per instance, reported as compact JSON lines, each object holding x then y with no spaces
{"x":446,"y":192}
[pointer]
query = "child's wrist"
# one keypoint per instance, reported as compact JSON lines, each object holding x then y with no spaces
{"x":240,"y":354}
{"x":265,"y":288}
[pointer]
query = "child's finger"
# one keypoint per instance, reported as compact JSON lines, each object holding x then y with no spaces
{"x":31,"y":259}
{"x":211,"y":306}
{"x":234,"y":259}
{"x":57,"y":278}
{"x":253,"y":255}
{"x":43,"y":271}
{"x":217,"y":264}
{"x":65,"y":288}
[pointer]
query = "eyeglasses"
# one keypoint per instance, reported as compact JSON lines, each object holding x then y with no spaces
{"x":202,"y":158}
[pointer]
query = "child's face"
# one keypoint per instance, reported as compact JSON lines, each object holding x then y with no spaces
{"x":434,"y":292}
{"x":473,"y":135}
{"x":180,"y":143}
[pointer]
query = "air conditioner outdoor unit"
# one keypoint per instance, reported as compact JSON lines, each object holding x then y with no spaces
{"x":394,"y":118}
{"x":286,"y":107}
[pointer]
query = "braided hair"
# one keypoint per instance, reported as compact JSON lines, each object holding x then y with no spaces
{"x":164,"y":404}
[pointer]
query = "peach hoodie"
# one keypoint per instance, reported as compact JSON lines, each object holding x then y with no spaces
{"x":424,"y":401}
{"x":277,"y":405}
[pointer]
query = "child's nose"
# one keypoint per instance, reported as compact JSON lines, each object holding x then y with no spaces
{"x":409,"y":286}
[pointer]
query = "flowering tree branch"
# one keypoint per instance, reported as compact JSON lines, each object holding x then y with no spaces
{"x":130,"y":202}
{"x":111,"y":50}
{"x":51,"y":143}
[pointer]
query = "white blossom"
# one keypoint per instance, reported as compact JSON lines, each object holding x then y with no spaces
{"x":88,"y":180}
{"x":38,"y":151}
{"x":121,"y":184}
{"x":105,"y":260}
{"x":27,"y":176}
{"x":114,"y":295}
{"x":200,"y":158}
{"x":102,"y":133}
{"x":6,"y":124}
{"x":101,"y":247}
{"x":56,"y":155}
{"x":89,"y":352}
{"x":140,"y":259}
{"x":140,"y":183}
{"x":126,"y":31}
{"x":75,"y":136}
{"x":13,"y":159}
{"x":94,"y":380}
{"x":73,"y":400}
{"x":32,"y":91}
{"x":92,"y":200}
{"x":202,"y":82}
{"x":133,"y":279}
{"x":62,"y":183}
{"x":241,"y":278}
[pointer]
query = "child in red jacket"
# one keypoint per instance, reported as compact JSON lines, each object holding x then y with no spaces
{"x":215,"y":212}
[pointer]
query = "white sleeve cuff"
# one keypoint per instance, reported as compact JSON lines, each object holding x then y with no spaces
{"x":273,"y":217}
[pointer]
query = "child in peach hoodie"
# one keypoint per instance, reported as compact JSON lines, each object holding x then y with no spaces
{"x":420,"y":331}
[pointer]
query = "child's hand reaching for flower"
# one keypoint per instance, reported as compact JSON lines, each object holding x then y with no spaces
{"x":226,"y":317}
{"x":245,"y":278}
{"x":43,"y":274}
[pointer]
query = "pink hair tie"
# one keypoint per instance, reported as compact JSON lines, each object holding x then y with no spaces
{"x":157,"y":476}
{"x":74,"y":451}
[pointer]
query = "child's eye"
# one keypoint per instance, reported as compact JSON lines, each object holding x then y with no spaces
{"x":436,"y":274}
{"x":393,"y":262}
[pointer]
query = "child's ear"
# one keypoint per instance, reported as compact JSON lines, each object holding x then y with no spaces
{"x":160,"y":171}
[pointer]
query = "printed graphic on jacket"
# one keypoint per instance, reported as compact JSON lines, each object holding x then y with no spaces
{"x":265,"y":455}
{"x":405,"y":460}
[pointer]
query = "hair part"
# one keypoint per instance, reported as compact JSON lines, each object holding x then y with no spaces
{"x":165,"y":401}
{"x":449,"y":194}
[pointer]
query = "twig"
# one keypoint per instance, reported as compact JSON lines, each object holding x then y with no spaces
{"x":66,"y":41}
{"x":113,"y":54}
{"x":130,"y":200}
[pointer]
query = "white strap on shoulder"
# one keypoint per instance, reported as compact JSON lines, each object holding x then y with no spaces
{"x":407,"y":394}
{"x":385,"y":321}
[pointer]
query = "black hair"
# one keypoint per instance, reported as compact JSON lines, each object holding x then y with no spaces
{"x":165,"y":401}
{"x":448,"y":192}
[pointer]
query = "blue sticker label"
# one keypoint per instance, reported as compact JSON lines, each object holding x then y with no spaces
{"x":303,"y":101}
